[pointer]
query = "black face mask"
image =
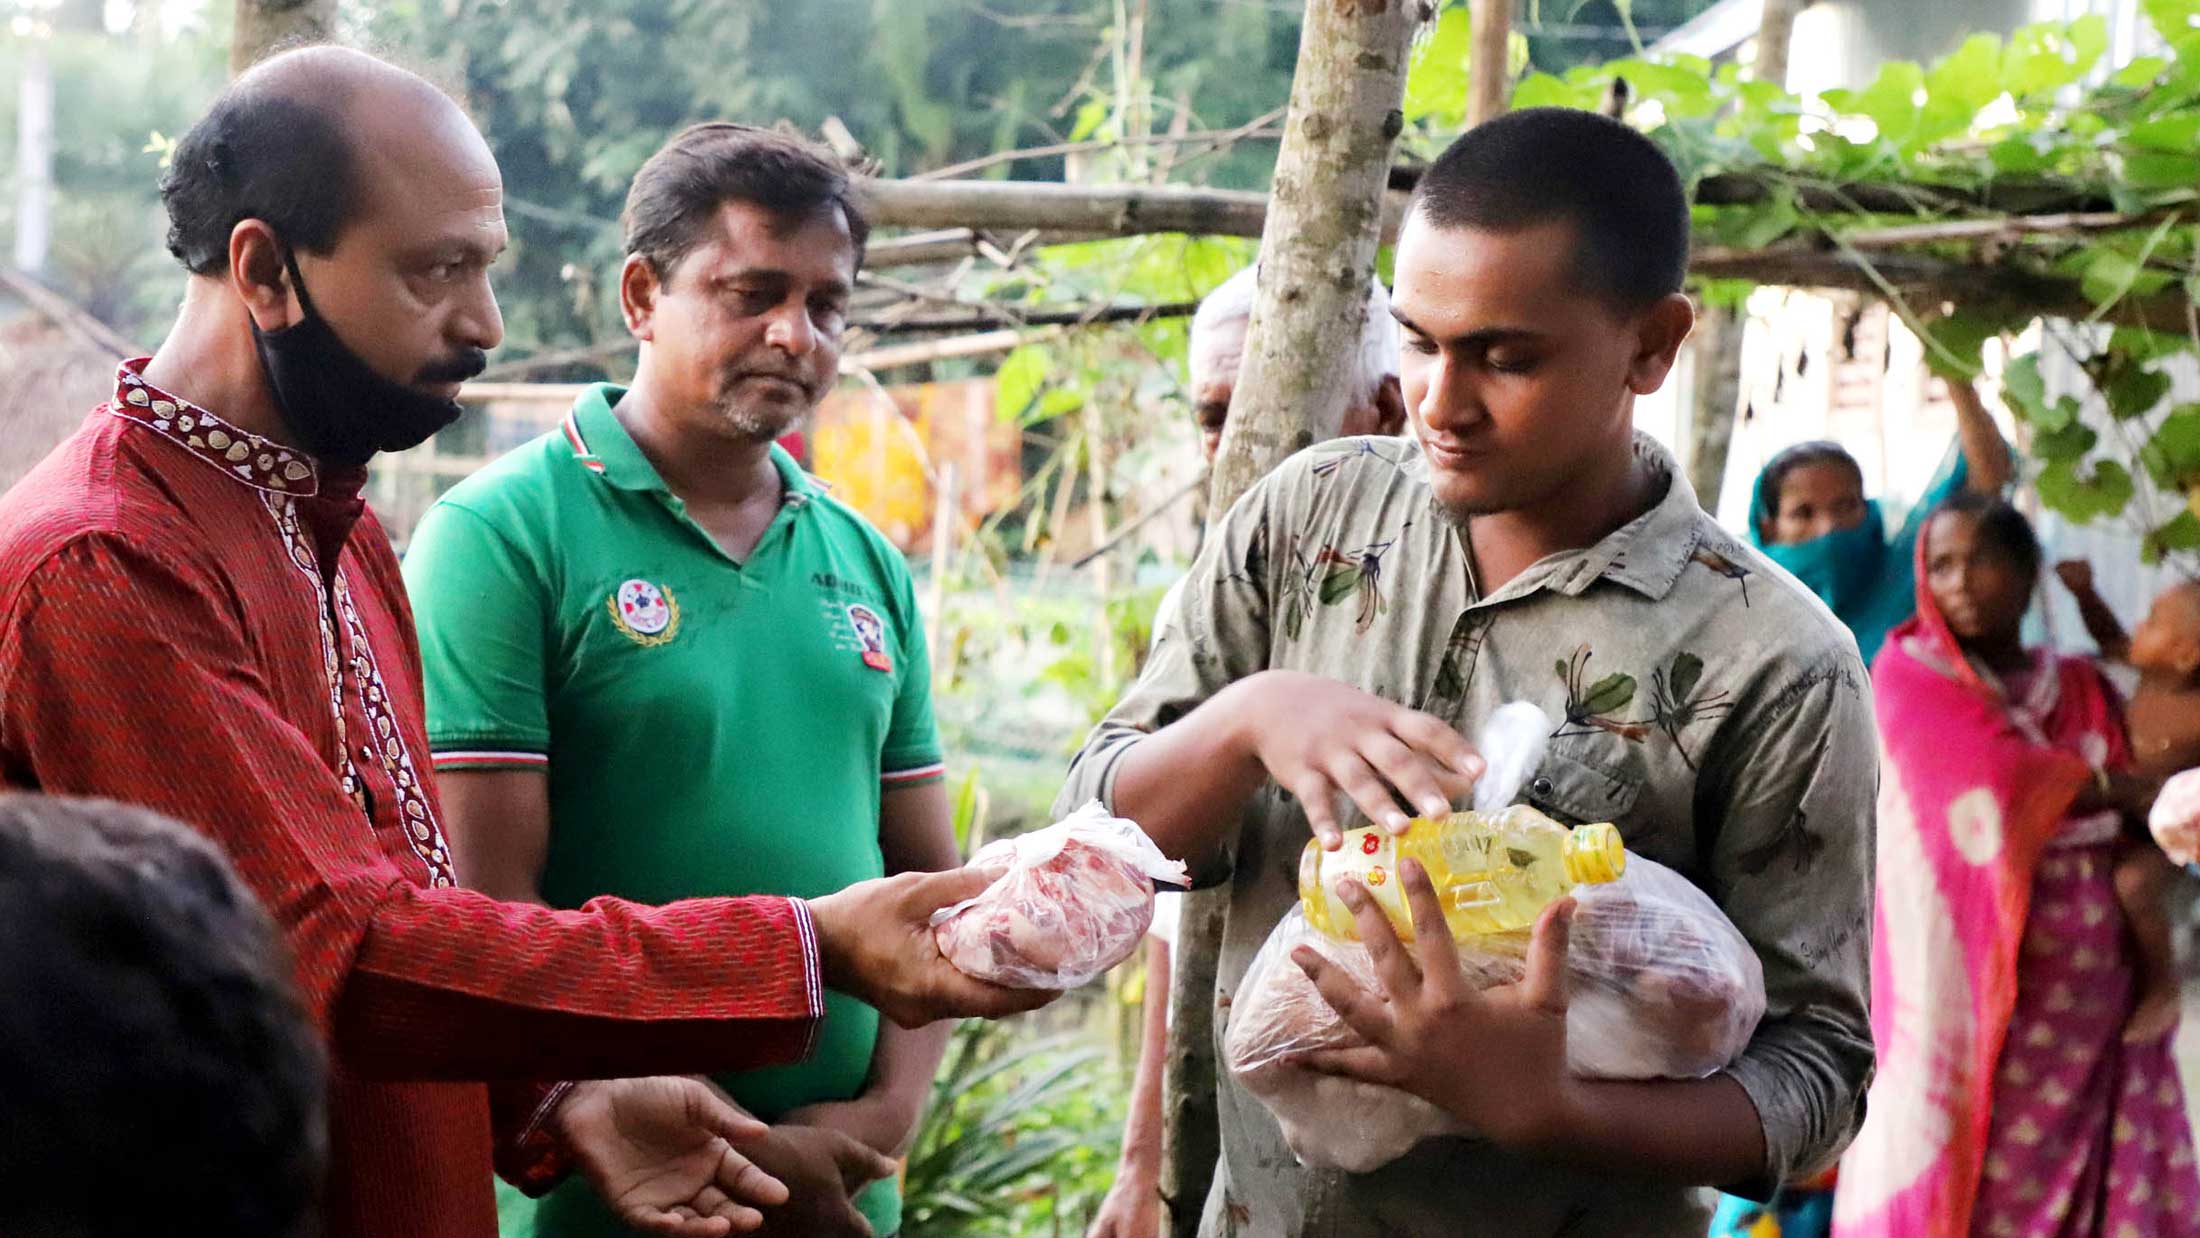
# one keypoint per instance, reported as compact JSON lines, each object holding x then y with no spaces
{"x":341,"y":412}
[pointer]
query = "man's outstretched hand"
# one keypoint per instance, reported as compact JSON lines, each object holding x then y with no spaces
{"x":875,"y":941}
{"x":664,"y":1154}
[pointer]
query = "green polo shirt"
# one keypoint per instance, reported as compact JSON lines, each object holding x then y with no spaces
{"x":708,"y":727}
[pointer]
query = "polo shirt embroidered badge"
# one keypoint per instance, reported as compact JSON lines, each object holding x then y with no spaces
{"x":871,"y":634}
{"x":647,"y":614}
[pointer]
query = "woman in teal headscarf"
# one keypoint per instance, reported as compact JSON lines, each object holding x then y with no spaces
{"x":1810,"y":516}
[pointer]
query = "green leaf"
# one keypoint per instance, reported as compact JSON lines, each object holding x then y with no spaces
{"x":2108,"y":276}
{"x":2175,"y":133}
{"x":2154,"y":169}
{"x":1612,"y":692}
{"x":1543,"y":90}
{"x":1436,"y":78}
{"x":1057,"y":402}
{"x":1090,"y":117}
{"x":1969,"y":77}
{"x":2179,"y":535}
{"x":1339,"y":584}
{"x":2172,"y":454}
{"x":1760,"y":223}
{"x":1686,"y":671}
{"x":2173,"y":18}
{"x":2020,"y":154}
{"x":2085,"y":499}
{"x":1892,"y":99}
{"x":1520,"y":858}
{"x":2148,"y":345}
{"x":2135,"y":390}
{"x":2021,"y":384}
{"x":2064,"y":444}
{"x":2047,"y":56}
{"x":1961,"y":338}
{"x":2140,"y":73}
{"x":1017,"y":382}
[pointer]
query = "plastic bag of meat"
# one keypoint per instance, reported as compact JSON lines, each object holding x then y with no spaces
{"x":2175,"y":819}
{"x":1072,"y":901}
{"x":1661,"y":985}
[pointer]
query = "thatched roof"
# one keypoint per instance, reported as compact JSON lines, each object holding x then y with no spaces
{"x":54,"y":379}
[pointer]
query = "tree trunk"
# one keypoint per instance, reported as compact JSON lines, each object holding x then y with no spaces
{"x":1489,"y":59}
{"x":1317,"y":254}
{"x":1718,"y":344}
{"x":264,"y":26}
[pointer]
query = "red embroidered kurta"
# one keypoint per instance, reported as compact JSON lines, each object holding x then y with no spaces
{"x":202,"y":622}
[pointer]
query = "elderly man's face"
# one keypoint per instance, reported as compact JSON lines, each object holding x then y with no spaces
{"x":1216,"y":356}
{"x":406,"y":284}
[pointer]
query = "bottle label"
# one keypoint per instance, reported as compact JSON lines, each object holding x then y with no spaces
{"x":1371,"y":855}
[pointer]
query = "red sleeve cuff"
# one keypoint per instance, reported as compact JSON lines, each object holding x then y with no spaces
{"x":529,"y":1154}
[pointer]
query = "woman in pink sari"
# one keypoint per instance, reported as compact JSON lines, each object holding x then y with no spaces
{"x":2008,"y":1101}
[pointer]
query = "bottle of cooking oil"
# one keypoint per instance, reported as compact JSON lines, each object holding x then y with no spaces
{"x":1494,"y":872}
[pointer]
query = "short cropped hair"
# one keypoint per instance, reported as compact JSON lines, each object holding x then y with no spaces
{"x":156,"y":1071}
{"x":1546,"y":164}
{"x":705,"y":166}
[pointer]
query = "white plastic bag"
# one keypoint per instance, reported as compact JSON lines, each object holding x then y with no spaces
{"x":2175,"y":818}
{"x":1073,"y":900}
{"x":1660,"y":985}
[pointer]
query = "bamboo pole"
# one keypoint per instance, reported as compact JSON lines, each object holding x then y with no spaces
{"x":1489,"y":67}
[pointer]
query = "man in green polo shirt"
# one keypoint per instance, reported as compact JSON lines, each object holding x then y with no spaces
{"x":663,"y":663}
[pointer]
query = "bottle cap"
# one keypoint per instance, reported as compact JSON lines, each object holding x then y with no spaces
{"x":1595,"y":854}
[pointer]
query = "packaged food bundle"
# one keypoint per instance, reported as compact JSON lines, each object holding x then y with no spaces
{"x":1660,"y":983}
{"x":2175,"y":818}
{"x":1072,"y":900}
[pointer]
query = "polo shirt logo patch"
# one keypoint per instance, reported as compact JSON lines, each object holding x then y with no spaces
{"x":647,"y":614}
{"x":871,"y":634}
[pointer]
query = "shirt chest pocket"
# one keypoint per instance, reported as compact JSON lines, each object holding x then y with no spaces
{"x":1576,"y":790}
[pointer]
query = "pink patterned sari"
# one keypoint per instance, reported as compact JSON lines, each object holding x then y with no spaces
{"x":2006,"y":1102}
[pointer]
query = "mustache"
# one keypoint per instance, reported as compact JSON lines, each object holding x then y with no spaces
{"x":456,"y":368}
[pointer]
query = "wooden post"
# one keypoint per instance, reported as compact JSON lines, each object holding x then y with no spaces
{"x":1489,"y":59}
{"x":1715,"y":401}
{"x":1317,"y":254}
{"x":264,"y":26}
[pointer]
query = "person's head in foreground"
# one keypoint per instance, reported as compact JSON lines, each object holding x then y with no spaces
{"x":1217,"y":351}
{"x":1539,"y":284}
{"x":339,"y":216}
{"x":742,"y":245}
{"x":156,"y":1074}
{"x":1980,"y":561}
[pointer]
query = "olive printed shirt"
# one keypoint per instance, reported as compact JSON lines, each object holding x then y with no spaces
{"x":1707,"y":704}
{"x":707,"y":726}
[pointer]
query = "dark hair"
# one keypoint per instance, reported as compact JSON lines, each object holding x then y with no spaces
{"x":155,"y":1068}
{"x":1775,"y":475}
{"x":1544,"y":164}
{"x":1999,"y":522}
{"x":260,"y":153}
{"x":708,"y":165}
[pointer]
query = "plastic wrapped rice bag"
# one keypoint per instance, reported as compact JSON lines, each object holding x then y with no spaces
{"x":1073,"y":900}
